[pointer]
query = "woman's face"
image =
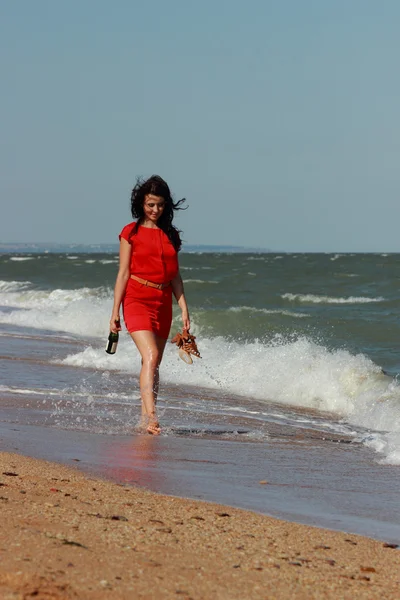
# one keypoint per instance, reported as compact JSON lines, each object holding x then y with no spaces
{"x":153,"y":207}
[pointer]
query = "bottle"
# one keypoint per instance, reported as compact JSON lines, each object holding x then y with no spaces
{"x":112,"y":342}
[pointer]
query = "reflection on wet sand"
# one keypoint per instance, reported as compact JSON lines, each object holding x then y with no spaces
{"x":135,"y":461}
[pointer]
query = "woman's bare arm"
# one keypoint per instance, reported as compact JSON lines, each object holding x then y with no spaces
{"x":179,"y":293}
{"x":121,"y":282}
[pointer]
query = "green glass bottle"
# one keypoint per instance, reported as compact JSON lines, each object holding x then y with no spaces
{"x":112,"y":342}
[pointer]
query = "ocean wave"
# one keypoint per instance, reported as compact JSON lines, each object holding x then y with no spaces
{"x":29,"y":392}
{"x":22,"y":258}
{"x":82,"y":311}
{"x":267,"y":311}
{"x":314,"y":299}
{"x":387,"y":444}
{"x":199,"y":281}
{"x":65,"y":393}
{"x":26,"y":297}
{"x":300,"y":373}
{"x":7,"y":287}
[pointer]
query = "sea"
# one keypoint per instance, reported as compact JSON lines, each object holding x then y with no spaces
{"x":292,"y":410}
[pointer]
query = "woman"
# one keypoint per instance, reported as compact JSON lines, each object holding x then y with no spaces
{"x":148,"y":276}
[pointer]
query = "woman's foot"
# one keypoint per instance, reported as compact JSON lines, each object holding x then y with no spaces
{"x":153,"y":426}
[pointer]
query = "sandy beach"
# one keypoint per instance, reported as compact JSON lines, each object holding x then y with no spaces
{"x":68,"y":535}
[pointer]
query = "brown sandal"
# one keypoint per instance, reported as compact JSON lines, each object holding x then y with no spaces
{"x":187,"y":346}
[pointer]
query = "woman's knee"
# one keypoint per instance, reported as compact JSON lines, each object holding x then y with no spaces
{"x":151,"y":361}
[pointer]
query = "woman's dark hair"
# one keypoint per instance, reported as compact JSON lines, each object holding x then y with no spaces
{"x":158,"y":187}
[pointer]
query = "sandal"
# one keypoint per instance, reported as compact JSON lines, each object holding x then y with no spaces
{"x":187,"y":346}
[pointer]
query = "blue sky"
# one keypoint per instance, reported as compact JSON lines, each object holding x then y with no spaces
{"x":278,"y":120}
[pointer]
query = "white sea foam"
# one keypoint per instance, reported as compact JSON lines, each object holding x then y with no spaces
{"x":81,"y":311}
{"x":21,"y":258}
{"x":387,"y":444}
{"x":13,"y":286}
{"x":267,"y":311}
{"x":199,"y":281}
{"x":28,"y":392}
{"x":314,"y":299}
{"x":300,"y":373}
{"x":23,"y":296}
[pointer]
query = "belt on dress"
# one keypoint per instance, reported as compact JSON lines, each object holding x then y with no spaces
{"x":146,"y":282}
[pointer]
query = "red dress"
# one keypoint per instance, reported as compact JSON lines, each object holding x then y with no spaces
{"x":154,"y":258}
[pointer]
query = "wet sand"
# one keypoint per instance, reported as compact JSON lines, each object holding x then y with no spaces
{"x":316,"y":482}
{"x":68,"y":535}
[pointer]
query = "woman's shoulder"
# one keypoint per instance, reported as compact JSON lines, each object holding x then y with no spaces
{"x":126,"y":231}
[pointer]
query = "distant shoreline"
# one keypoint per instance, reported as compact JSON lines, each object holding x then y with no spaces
{"x":53,"y":248}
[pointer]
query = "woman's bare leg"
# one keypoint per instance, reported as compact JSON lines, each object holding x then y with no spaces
{"x":151,"y":349}
{"x":161,"y":347}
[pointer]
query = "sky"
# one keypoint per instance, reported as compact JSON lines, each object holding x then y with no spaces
{"x":278,"y":120}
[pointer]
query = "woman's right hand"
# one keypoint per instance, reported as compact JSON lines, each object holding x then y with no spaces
{"x":186,"y":320}
{"x":115,"y":323}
